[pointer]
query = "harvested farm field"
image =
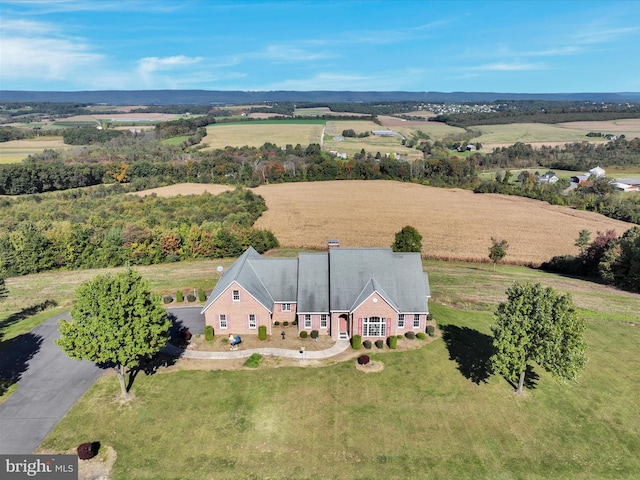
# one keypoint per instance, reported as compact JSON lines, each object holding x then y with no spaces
{"x":454,"y":223}
{"x":184,"y":189}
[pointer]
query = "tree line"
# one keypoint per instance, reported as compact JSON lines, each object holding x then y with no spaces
{"x":101,"y":227}
{"x":608,"y":258}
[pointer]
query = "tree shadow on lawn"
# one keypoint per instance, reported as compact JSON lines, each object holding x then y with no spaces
{"x":14,"y":358}
{"x":471,"y":350}
{"x":151,"y":366}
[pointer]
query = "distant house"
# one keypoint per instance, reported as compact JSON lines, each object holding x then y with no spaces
{"x":547,"y":178}
{"x":342,"y":292}
{"x":580,"y":179}
{"x":597,"y":172}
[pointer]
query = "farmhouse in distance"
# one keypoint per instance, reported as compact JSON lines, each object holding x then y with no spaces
{"x":372,"y":292}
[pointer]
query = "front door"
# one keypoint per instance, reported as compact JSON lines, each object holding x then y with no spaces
{"x":344,"y":327}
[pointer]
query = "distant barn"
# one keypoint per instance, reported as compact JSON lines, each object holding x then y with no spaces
{"x":383,"y":133}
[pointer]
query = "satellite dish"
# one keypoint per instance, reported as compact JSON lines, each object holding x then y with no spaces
{"x":219,"y":269}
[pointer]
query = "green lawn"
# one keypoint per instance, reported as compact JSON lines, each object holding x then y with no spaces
{"x":434,"y":412}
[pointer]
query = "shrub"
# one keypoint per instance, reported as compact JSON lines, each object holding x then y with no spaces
{"x":356,"y":342}
{"x":429,"y":317}
{"x":208,"y":332}
{"x":262,"y":332}
{"x":191,"y":297}
{"x":363,"y":359}
{"x":421,"y":335}
{"x":366,"y":344}
{"x":431,"y":330}
{"x":399,"y":336}
{"x":179,"y":297}
{"x":88,"y":450}
{"x":202,"y":296}
{"x":410,"y":335}
{"x":379,"y":343}
{"x":295,"y":322}
{"x":167,"y":299}
{"x":392,"y":342}
{"x":253,"y":361}
{"x":303,"y":334}
{"x":285,"y":324}
{"x":315,"y":334}
{"x":276,"y":323}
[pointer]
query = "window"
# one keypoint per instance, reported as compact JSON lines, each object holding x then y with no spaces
{"x":286,"y":307}
{"x":416,"y":321}
{"x":223,"y":320}
{"x":374,"y":327}
{"x":252,"y":321}
{"x":401,"y":320}
{"x":236,"y":295}
{"x":323,"y":320}
{"x":307,"y":321}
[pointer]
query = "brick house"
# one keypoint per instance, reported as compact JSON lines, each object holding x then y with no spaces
{"x":372,"y":292}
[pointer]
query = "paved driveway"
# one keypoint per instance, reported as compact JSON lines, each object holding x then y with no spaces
{"x":50,"y":383}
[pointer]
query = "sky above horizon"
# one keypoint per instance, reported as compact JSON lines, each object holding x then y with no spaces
{"x":403,"y":45}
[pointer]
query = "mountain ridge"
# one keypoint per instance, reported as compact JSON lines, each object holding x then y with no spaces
{"x":203,"y":97}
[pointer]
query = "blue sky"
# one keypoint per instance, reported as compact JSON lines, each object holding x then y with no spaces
{"x":420,"y":45}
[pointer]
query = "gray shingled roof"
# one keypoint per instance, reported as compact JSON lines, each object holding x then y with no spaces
{"x":313,"y":289}
{"x":278,"y":276}
{"x":337,"y":280}
{"x":399,"y":274}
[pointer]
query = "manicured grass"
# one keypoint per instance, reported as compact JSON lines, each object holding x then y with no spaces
{"x":435,"y":412}
{"x":431,"y":413}
{"x":257,"y":133}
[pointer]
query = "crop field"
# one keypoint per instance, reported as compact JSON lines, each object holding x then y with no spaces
{"x":454,"y":223}
{"x":17,"y":150}
{"x":256,"y":134}
{"x":184,"y":189}
{"x":630,"y":127}
{"x":536,"y":134}
{"x":371,"y":143}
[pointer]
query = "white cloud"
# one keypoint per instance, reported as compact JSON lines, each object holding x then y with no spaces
{"x":509,"y":67}
{"x":37,"y":50}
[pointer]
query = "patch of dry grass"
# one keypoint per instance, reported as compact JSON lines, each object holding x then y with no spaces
{"x":454,"y":223}
{"x":257,"y":134}
{"x":185,"y":189}
{"x":15,"y":151}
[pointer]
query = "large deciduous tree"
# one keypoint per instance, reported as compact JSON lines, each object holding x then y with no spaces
{"x":407,"y":240}
{"x":537,"y":324}
{"x":115,"y":320}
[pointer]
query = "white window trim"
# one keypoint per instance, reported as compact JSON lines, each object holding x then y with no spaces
{"x":401,"y":320}
{"x":286,"y":307}
{"x":223,"y":317}
{"x":255,"y":321}
{"x":233,"y":295}
{"x":366,"y":325}
{"x":324,"y":317}
{"x":307,"y":321}
{"x":416,"y":318}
